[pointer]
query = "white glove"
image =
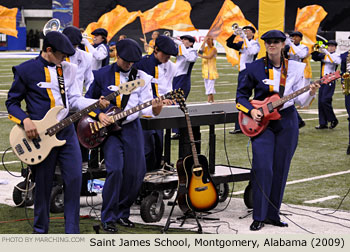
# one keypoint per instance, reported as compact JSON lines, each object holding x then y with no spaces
{"x":241,"y":34}
{"x":288,"y":42}
{"x":85,"y":41}
{"x":348,"y":67}
{"x":236,"y":32}
{"x":324,"y":50}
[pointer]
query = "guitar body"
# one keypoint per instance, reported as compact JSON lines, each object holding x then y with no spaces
{"x":196,"y":190}
{"x":34,"y":152}
{"x":253,"y":128}
{"x":89,"y":133}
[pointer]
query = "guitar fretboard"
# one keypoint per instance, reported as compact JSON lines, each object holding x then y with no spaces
{"x":193,"y":145}
{"x":291,"y":96}
{"x":76,"y":116}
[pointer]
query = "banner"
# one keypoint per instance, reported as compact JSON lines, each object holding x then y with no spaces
{"x":271,"y":17}
{"x":172,"y":15}
{"x":221,"y":28}
{"x":113,"y":21}
{"x":307,"y":22}
{"x":8,"y":21}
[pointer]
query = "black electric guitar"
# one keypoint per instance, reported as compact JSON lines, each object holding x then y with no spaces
{"x":36,"y":150}
{"x":196,"y":190}
{"x":92,"y":133}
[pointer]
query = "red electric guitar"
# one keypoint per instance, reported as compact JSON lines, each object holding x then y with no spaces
{"x":270,"y":106}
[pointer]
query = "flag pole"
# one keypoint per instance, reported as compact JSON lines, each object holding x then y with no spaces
{"x":144,"y":37}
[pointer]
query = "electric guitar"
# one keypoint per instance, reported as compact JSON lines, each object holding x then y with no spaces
{"x":270,"y":106}
{"x":91,"y":133}
{"x":196,"y":190}
{"x":34,"y":151}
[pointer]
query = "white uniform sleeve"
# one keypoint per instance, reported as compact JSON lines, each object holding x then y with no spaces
{"x":88,"y":75}
{"x":253,"y":46}
{"x":146,"y":93}
{"x":300,"y":51}
{"x":305,"y":98}
{"x":332,"y":58}
{"x":99,"y":52}
{"x":189,"y":53}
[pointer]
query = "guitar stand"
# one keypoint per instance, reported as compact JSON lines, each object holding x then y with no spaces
{"x":192,"y":214}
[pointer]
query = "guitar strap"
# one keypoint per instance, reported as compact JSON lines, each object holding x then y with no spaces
{"x":60,"y":79}
{"x":283,"y":78}
{"x":125,"y":99}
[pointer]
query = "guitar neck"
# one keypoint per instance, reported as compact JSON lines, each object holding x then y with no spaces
{"x":193,"y":145}
{"x":291,"y":96}
{"x":76,"y":116}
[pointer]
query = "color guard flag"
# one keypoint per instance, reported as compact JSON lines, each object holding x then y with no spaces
{"x":113,"y":21}
{"x":8,"y":21}
{"x":221,"y":28}
{"x":172,"y":15}
{"x":307,"y":22}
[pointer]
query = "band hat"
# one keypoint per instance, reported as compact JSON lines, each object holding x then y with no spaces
{"x":249,"y":27}
{"x":129,"y":50}
{"x":274,"y":34}
{"x":60,"y":42}
{"x":166,"y":45}
{"x":189,"y":38}
{"x":73,"y":34}
{"x":332,"y":42}
{"x":296,"y":33}
{"x":100,"y":31}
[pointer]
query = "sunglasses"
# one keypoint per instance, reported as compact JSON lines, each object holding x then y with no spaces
{"x":273,"y":41}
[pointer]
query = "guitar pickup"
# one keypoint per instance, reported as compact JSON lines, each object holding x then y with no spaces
{"x":19,"y":149}
{"x":200,"y":189}
{"x":270,"y":107}
{"x":27,"y":145}
{"x":36,"y":142}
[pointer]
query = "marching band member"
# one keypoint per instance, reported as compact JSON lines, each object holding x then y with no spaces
{"x":36,"y":82}
{"x":123,"y":150}
{"x":163,"y":70}
{"x":80,"y":58}
{"x":248,"y":50}
{"x":345,"y":67}
{"x":185,"y":60}
{"x":209,"y":71}
{"x":99,"y":50}
{"x":274,"y":148}
{"x":329,"y":63}
{"x":298,"y":52}
{"x":150,"y":46}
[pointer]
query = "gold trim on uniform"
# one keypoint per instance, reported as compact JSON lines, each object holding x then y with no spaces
{"x":48,"y":90}
{"x":156,"y":75}
{"x":117,"y":82}
{"x":242,"y":108}
{"x":14,"y":119}
{"x":92,"y":114}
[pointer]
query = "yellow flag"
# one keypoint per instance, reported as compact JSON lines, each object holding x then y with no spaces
{"x":221,"y":28}
{"x":307,"y":22}
{"x":172,"y":15}
{"x":8,"y":21}
{"x":113,"y":21}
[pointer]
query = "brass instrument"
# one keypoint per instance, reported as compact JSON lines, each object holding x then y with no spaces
{"x":237,"y":30}
{"x":53,"y":24}
{"x":318,"y":47}
{"x":346,"y":77}
{"x":86,"y":36}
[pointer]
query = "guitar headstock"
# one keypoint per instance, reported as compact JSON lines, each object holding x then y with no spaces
{"x":180,"y":99}
{"x":330,"y":77}
{"x":173,"y":94}
{"x":128,"y":87}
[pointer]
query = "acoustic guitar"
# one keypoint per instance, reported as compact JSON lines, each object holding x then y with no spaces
{"x":270,"y":106}
{"x":196,"y":190}
{"x":91,"y":133}
{"x":35,"y":151}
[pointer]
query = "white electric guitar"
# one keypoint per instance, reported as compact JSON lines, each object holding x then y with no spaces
{"x":34,"y":151}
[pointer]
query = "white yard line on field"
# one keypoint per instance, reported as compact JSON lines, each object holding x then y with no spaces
{"x":321,"y":199}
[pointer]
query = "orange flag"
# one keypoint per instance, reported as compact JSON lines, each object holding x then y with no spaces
{"x":8,"y":21}
{"x":172,"y":15}
{"x":113,"y":21}
{"x":307,"y":22}
{"x":221,"y":28}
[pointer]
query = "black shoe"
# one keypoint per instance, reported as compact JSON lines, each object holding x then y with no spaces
{"x":321,"y":127}
{"x":125,"y":222}
{"x":276,"y":223}
{"x":348,"y":150}
{"x":256,"y":225}
{"x":175,"y":136}
{"x":236,"y":131}
{"x":334,"y":124}
{"x":109,"y":227}
{"x":302,"y":124}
